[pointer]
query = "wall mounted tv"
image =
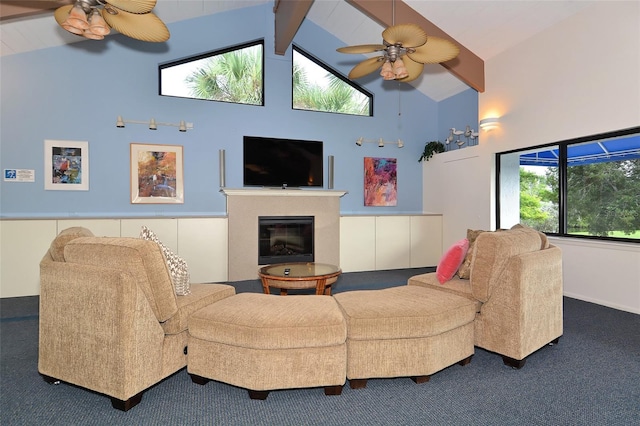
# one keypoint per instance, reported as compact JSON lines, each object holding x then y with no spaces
{"x":284,"y":163}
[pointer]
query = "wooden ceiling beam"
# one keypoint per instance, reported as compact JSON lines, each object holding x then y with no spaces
{"x":19,"y":9}
{"x":467,"y":66}
{"x":289,"y":15}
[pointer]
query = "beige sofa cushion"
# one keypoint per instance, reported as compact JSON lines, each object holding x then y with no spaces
{"x":201,"y":295}
{"x":491,"y":252}
{"x":56,"y":250}
{"x":141,"y":258}
{"x":403,"y":312}
{"x":261,"y":321}
{"x":455,"y":285}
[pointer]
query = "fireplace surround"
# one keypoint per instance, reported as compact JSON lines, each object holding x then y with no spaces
{"x":245,"y":206}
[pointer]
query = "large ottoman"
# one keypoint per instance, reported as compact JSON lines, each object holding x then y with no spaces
{"x":265,"y":342}
{"x":405,"y":331}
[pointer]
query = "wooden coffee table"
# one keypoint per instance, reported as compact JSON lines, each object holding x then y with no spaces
{"x":299,"y":275}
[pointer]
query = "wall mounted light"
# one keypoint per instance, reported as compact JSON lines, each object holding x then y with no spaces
{"x":153,"y":124}
{"x":381,"y":142}
{"x":489,"y":123}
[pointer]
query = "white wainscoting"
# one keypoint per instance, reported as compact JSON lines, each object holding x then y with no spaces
{"x":367,"y":243}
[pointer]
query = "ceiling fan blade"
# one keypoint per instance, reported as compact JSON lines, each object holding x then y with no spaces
{"x":366,"y":67}
{"x":434,"y":51}
{"x":362,"y":48}
{"x":133,"y":6}
{"x":145,"y":27}
{"x":61,"y":14}
{"x":408,"y":35}
{"x":414,"y":69}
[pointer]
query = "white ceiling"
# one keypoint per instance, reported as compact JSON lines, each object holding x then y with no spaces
{"x":487,"y":28}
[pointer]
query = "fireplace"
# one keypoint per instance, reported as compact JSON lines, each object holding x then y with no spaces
{"x":285,"y":239}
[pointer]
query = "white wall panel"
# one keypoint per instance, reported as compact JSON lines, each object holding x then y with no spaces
{"x":23,"y":243}
{"x":426,"y":240}
{"x":202,"y":243}
{"x":357,"y":243}
{"x":99,"y":227}
{"x":165,"y":229}
{"x":393,"y":242}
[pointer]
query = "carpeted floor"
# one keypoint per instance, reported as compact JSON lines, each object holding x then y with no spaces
{"x":592,"y":377}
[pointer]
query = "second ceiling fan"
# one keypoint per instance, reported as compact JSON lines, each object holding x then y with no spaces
{"x":404,"y":50}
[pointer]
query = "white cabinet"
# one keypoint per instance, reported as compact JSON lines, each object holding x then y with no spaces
{"x":202,"y":243}
{"x":393,"y":242}
{"x":426,"y":240}
{"x":372,"y":243}
{"x":357,"y":243}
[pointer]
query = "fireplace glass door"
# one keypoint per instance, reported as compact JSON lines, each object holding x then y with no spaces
{"x":284,"y":239}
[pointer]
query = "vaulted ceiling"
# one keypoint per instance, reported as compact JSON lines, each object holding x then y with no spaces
{"x":483,"y":29}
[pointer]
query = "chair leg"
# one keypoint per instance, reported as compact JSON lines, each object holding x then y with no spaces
{"x":516,"y":364}
{"x":50,"y":380}
{"x":121,"y":405}
{"x":420,"y":379}
{"x":465,"y":361}
{"x":358,"y":383}
{"x":261,"y":395}
{"x":333,"y":390}
{"x":199,"y":380}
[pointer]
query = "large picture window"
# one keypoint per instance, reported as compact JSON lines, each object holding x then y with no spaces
{"x":587,"y":187}
{"x":234,"y":74}
{"x":316,"y":87}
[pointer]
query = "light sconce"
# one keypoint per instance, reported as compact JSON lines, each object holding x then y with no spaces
{"x":153,"y":124}
{"x":381,"y":142}
{"x":490,"y":123}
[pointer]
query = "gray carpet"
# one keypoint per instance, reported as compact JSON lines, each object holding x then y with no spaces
{"x":590,"y":378}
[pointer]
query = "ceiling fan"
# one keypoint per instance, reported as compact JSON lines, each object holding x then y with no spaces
{"x":404,"y":50}
{"x":94,"y":19}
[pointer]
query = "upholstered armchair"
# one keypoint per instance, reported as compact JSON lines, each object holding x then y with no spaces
{"x":110,"y":320}
{"x":516,"y":281}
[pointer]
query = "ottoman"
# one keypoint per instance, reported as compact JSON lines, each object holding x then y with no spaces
{"x":406,"y":331}
{"x":265,"y":342}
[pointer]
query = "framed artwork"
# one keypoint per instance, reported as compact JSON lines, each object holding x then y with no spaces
{"x":66,"y":165}
{"x":380,"y":182}
{"x":156,"y":174}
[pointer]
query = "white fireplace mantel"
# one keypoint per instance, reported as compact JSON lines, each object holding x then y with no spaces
{"x":277,"y":192}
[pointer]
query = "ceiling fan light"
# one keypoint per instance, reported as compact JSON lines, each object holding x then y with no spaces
{"x":97,"y":24}
{"x":387,"y":71}
{"x":77,"y":18}
{"x":93,"y":36}
{"x":399,"y":69}
{"x":72,"y":30}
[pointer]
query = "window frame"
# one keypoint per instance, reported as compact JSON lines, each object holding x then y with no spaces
{"x":354,"y":85}
{"x":562,"y":180}
{"x":209,"y":54}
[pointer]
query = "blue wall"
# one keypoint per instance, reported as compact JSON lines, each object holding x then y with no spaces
{"x":75,"y":92}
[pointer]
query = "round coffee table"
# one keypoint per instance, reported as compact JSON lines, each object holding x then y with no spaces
{"x":299,"y":275}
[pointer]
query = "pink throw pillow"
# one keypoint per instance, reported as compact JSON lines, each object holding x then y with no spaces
{"x":451,"y":260}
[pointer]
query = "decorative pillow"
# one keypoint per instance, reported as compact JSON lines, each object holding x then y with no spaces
{"x":451,"y":260}
{"x":464,"y":271}
{"x":178,"y":268}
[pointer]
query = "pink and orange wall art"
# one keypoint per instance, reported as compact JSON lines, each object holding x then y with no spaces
{"x":380,"y":182}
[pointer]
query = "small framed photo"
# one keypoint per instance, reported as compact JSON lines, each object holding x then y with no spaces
{"x":66,"y":165}
{"x":156,"y":174}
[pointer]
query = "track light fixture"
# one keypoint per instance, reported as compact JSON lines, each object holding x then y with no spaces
{"x":153,"y":124}
{"x":381,"y":142}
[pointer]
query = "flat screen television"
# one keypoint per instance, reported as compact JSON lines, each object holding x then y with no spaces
{"x":283,"y":163}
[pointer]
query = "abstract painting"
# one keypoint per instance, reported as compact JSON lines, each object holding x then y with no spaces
{"x":66,"y":165}
{"x":380,"y":182}
{"x":156,"y":174}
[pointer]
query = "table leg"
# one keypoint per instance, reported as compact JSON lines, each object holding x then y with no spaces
{"x":320,"y":284}
{"x":283,"y":292}
{"x":265,"y":286}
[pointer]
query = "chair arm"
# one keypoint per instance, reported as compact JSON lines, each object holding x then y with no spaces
{"x":524,"y":310}
{"x":97,"y":330}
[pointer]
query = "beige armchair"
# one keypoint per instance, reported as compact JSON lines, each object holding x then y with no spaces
{"x":516,"y":282}
{"x":109,"y":318}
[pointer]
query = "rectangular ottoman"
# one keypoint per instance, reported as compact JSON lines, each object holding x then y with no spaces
{"x":265,"y":342}
{"x":406,"y":331}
